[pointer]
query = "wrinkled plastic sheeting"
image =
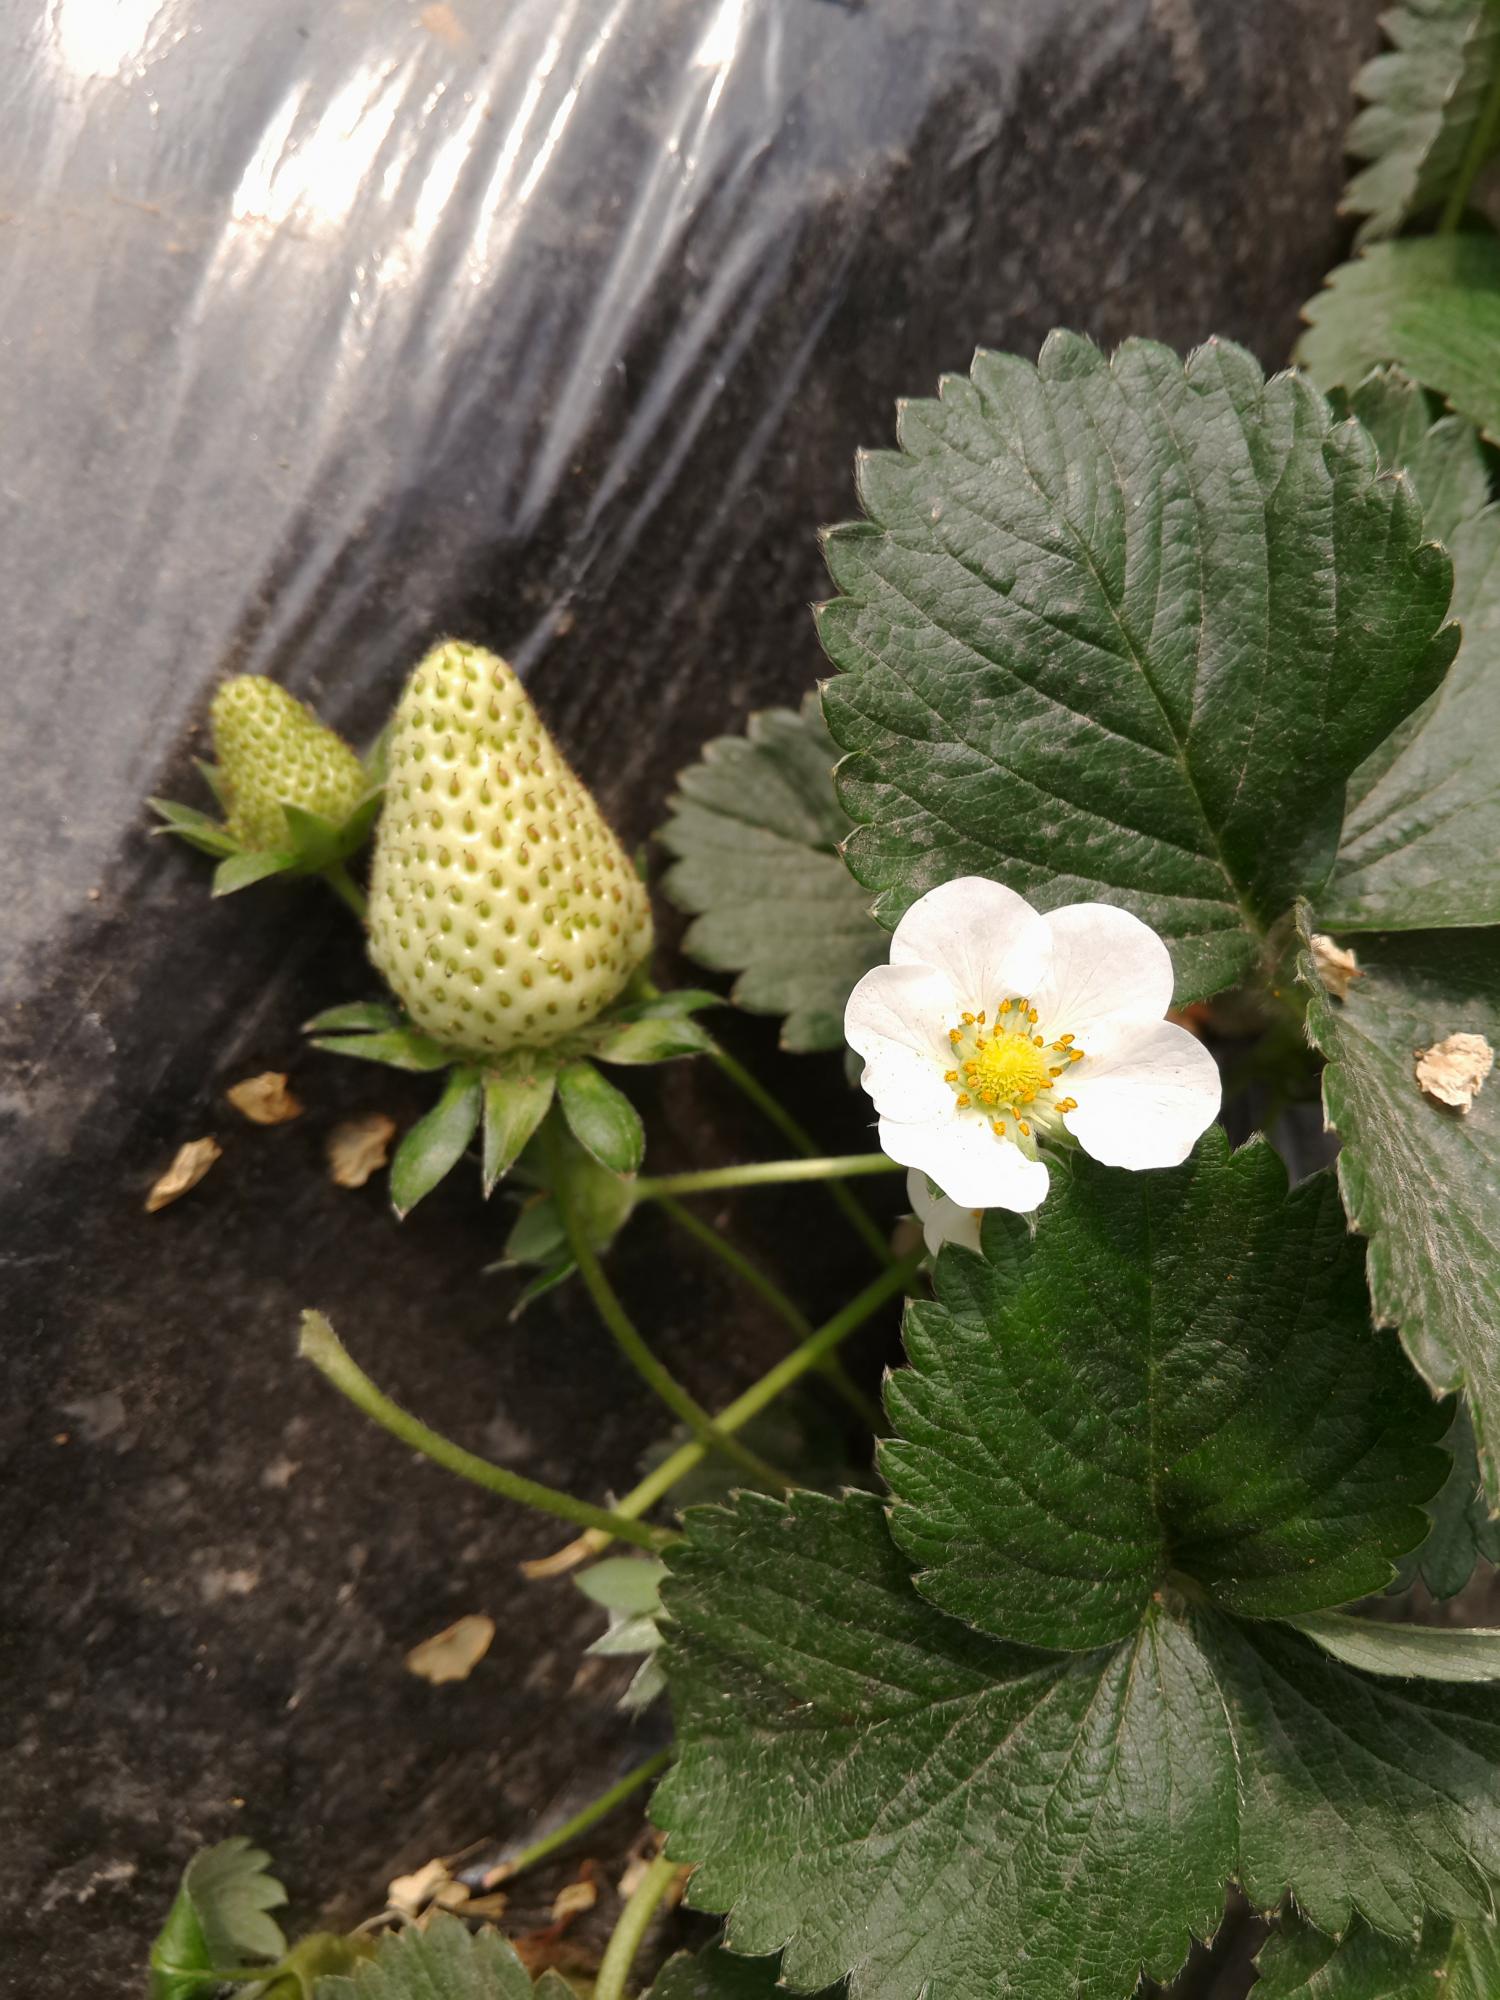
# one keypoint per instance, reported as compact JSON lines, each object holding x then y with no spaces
{"x":309,"y":313}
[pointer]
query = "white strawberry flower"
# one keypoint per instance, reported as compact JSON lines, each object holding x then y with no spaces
{"x":996,"y":1030}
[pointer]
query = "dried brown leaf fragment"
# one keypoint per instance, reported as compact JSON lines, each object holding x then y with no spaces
{"x":453,"y":1653}
{"x":1337,"y":968}
{"x":265,"y":1099}
{"x":1452,"y":1071}
{"x":359,"y":1147}
{"x":189,"y":1164}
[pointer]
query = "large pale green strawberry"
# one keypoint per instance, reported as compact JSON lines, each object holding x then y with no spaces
{"x":272,"y":751}
{"x":503,"y":911}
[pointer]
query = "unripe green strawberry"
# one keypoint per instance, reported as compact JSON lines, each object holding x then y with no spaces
{"x":503,"y":911}
{"x":272,"y":751}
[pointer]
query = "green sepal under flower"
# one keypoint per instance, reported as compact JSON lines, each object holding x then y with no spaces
{"x":296,"y":799}
{"x":501,"y":1100}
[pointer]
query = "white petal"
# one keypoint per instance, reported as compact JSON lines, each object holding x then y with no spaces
{"x":942,"y":1221}
{"x":988,"y":940}
{"x":898,"y":1018}
{"x":1145,"y":1095}
{"x":968,"y":1162}
{"x":1106,"y":965}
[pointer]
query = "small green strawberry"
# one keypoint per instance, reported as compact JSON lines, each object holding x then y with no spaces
{"x":504,"y":913}
{"x":272,"y":752}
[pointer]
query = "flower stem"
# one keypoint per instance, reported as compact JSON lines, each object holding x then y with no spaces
{"x":635,"y":1918}
{"x":765,"y":1173}
{"x":1481,"y":142}
{"x":759,"y":1396}
{"x":344,"y":886}
{"x":793,"y":1315}
{"x":320,"y":1345}
{"x":776,"y":1112}
{"x":632,"y":1344}
{"x":582,"y":1820}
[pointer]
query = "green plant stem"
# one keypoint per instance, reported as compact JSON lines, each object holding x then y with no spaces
{"x":632,"y":1343}
{"x":793,"y":1315}
{"x":1481,"y":144}
{"x":765,"y":1173}
{"x":589,"y":1816}
{"x":625,"y":1939}
{"x":320,"y":1345}
{"x":776,"y":1112}
{"x":344,"y":886}
{"x":760,"y":1395}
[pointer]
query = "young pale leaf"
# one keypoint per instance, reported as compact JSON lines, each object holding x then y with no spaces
{"x":220,"y":1918}
{"x":517,"y":1097}
{"x":1462,"y":1530}
{"x":756,"y":829}
{"x":1425,"y":101}
{"x":1431,"y":303}
{"x":1410,"y":1652}
{"x":443,"y":1962}
{"x":1120,"y":631}
{"x":602,"y":1119}
{"x":1070,"y":1436}
{"x":436,"y":1143}
{"x":894,"y":1797}
{"x":1420,"y":1180}
{"x":1447,"y":1962}
{"x":626,"y":1584}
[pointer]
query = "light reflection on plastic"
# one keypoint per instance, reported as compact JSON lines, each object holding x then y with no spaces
{"x":104,"y":38}
{"x":317,"y":177}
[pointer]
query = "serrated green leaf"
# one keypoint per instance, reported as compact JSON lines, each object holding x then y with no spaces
{"x":602,"y":1119}
{"x":1424,"y":102}
{"x":1441,"y":455}
{"x":397,"y":1048}
{"x":517,"y":1097}
{"x":370,"y":1014}
{"x":895,"y":1797}
{"x":1410,"y":1652}
{"x":445,"y":1961}
{"x":247,"y":866}
{"x":1462,"y":1530}
{"x":436,"y":1143}
{"x":220,"y":1918}
{"x":1071,"y":1437}
{"x":1446,"y":1962}
{"x":1429,"y":303}
{"x":1122,"y":630}
{"x":715,"y":1974}
{"x":756,"y":828}
{"x":1421,"y":1181}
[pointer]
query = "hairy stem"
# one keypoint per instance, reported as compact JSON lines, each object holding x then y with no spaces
{"x":582,"y":1820}
{"x":320,"y":1345}
{"x":635,"y":1919}
{"x":765,"y":1173}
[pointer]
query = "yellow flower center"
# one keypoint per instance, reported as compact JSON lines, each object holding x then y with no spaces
{"x":1009,"y":1072}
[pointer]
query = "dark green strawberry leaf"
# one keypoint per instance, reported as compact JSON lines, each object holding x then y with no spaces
{"x":436,"y":1143}
{"x":1462,"y":1530}
{"x":517,"y":1097}
{"x":1423,"y":129}
{"x":602,"y":1119}
{"x":1410,"y":1652}
{"x":756,"y":830}
{"x":353,"y":1014}
{"x":445,"y":1961}
{"x":1446,"y":1962}
{"x":1421,"y":1180}
{"x":892,"y":1796}
{"x":716,"y":1974}
{"x":1072,"y":1436}
{"x":1122,"y":630}
{"x":221,"y":1918}
{"x":1429,"y":303}
{"x":1423,"y":810}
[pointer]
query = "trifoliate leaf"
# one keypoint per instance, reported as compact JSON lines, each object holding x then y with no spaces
{"x":1422,"y":1182}
{"x":715,"y":1974}
{"x":1410,"y":1652}
{"x":436,"y":1143}
{"x":756,"y":828}
{"x":220,"y":1918}
{"x":444,"y":1961}
{"x":1121,"y":631}
{"x":1447,"y":1962}
{"x":1422,"y":813}
{"x":1429,"y":303}
{"x":1070,"y":1437}
{"x":1424,"y":101}
{"x":890,"y":1795}
{"x":602,"y":1119}
{"x":1462,"y":1528}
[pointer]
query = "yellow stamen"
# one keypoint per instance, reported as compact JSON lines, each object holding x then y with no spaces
{"x":963,"y":1101}
{"x":1040,"y":1040}
{"x":967,"y":1019}
{"x":955,"y":1034}
{"x":997,"y":1126}
{"x":1025,"y":1129}
{"x":950,"y":1076}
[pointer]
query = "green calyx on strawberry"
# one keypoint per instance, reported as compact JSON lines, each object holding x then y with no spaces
{"x":504,"y":913}
{"x":296,"y":799}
